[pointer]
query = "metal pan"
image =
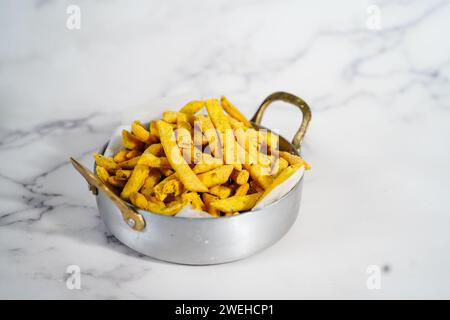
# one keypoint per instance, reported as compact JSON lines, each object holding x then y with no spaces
{"x":203,"y":241}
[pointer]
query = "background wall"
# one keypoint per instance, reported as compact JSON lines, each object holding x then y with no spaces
{"x":376,"y":75}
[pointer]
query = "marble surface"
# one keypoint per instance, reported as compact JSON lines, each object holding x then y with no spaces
{"x":379,"y":190}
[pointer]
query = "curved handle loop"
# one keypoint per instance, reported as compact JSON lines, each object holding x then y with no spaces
{"x":131,"y":217}
{"x":289,"y":98}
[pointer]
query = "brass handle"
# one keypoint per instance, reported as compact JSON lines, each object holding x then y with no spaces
{"x":131,"y":217}
{"x":289,"y":98}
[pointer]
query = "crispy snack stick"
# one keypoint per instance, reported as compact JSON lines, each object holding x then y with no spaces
{"x":139,"y":200}
{"x":171,"y":209}
{"x":235,"y":124}
{"x":155,"y":149}
{"x":137,"y":128}
{"x":221,"y":191}
{"x":176,"y":160}
{"x":129,"y":164}
{"x":260,"y":174}
{"x":129,"y":141}
{"x":249,"y":141}
{"x":294,"y":160}
{"x":286,"y":173}
{"x":170,"y":185}
{"x":236,"y":203}
{"x":166,"y":172}
{"x":207,"y":128}
{"x":256,"y":187}
{"x":102,"y":173}
{"x":194,"y":199}
{"x":170,"y":116}
{"x":153,"y":128}
{"x":192,"y":107}
{"x":153,"y":178}
{"x":242,"y":190}
{"x":136,"y":181}
{"x":123,"y":174}
{"x":133,"y":154}
{"x":112,"y":180}
{"x":153,"y":161}
{"x":230,"y":214}
{"x":207,"y":163}
{"x":216,"y":176}
{"x":240,"y":177}
{"x":108,"y":163}
{"x":234,"y":112}
{"x":226,"y":135}
{"x":121,"y":156}
{"x":207,"y":199}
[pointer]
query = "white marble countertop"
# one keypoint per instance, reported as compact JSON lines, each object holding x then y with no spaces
{"x":379,"y":190}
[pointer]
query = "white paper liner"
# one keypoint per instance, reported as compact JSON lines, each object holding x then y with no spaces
{"x":115,"y":144}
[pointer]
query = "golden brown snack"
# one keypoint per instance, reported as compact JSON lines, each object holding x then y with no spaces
{"x":234,"y":112}
{"x":194,"y":199}
{"x":221,"y":191}
{"x":102,"y":173}
{"x":240,"y":177}
{"x":286,"y":173}
{"x":121,"y":156}
{"x":192,"y":107}
{"x":294,"y":160}
{"x":236,"y":203}
{"x":242,"y":190}
{"x":207,"y":199}
{"x":216,"y":176}
{"x":176,"y":160}
{"x":129,"y":141}
{"x":136,"y":181}
{"x":152,"y":180}
{"x":108,"y":163}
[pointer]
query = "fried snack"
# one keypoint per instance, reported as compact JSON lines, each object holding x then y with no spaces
{"x":112,"y":180}
{"x":234,"y":112}
{"x":207,"y":199}
{"x":153,"y":161}
{"x":260,"y":174}
{"x":153,"y":128}
{"x":256,"y":187}
{"x":129,"y":164}
{"x":108,"y":163}
{"x":171,"y":209}
{"x":242,"y":190}
{"x":207,"y":163}
{"x":286,"y":173}
{"x":137,"y":128}
{"x":139,"y":200}
{"x":102,"y":173}
{"x":240,"y":177}
{"x":216,"y":176}
{"x":236,"y":203}
{"x":166,"y":172}
{"x":136,"y":181}
{"x":155,"y":149}
{"x":170,"y":185}
{"x":176,"y":160}
{"x":279,"y":165}
{"x":207,"y":128}
{"x":294,"y":160}
{"x":133,"y":154}
{"x":221,"y":191}
{"x":153,"y":178}
{"x":194,"y":199}
{"x":129,"y":141}
{"x":121,"y":156}
{"x":192,"y":107}
{"x":122,"y":174}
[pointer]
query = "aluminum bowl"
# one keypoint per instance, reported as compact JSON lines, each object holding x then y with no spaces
{"x":204,"y":241}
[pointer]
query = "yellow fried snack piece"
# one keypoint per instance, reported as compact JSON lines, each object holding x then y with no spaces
{"x":234,"y":112}
{"x":122,"y":174}
{"x":138,"y":130}
{"x":133,"y":154}
{"x":155,"y":149}
{"x":129,"y":141}
{"x":170,"y":116}
{"x":139,"y":200}
{"x":129,"y":164}
{"x":240,"y":177}
{"x":192,"y":107}
{"x":221,"y":191}
{"x":230,"y":214}
{"x":207,"y":128}
{"x":260,"y":174}
{"x":294,"y":160}
{"x":102,"y":173}
{"x":236,"y":203}
{"x":286,"y":173}
{"x":242,"y":190}
{"x":216,"y":176}
{"x":136,"y":181}
{"x":176,"y":160}
{"x":256,"y":187}
{"x":152,"y":161}
{"x":121,"y":156}
{"x":152,"y":180}
{"x":108,"y":163}
{"x":170,"y":185}
{"x":279,"y":165}
{"x":194,"y":199}
{"x":207,"y":199}
{"x":171,"y":209}
{"x":207,"y":163}
{"x":153,"y":129}
{"x":112,"y":180}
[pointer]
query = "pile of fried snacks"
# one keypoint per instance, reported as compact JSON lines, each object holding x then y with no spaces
{"x":216,"y":161}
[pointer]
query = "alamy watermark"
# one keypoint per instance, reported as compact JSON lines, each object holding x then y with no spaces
{"x":73,"y":21}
